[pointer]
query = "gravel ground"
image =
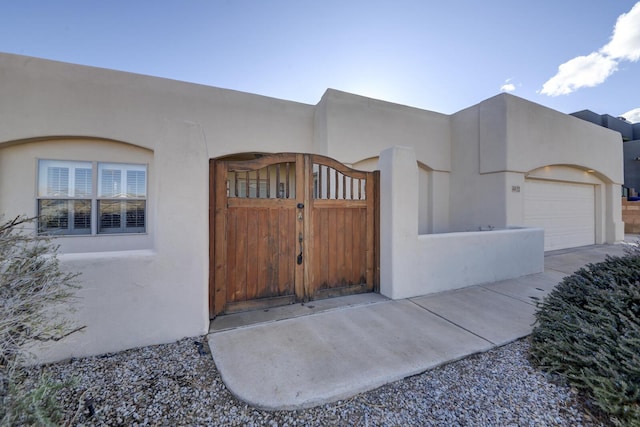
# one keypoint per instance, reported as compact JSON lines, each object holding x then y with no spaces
{"x":178,"y":384}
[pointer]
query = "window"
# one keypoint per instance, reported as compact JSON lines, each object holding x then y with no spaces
{"x":72,"y":201}
{"x":122,"y":190}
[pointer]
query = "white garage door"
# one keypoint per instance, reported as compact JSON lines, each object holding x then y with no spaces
{"x":566,"y":211}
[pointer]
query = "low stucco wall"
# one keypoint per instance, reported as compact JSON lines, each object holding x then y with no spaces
{"x":456,"y":260}
{"x":413,"y":265}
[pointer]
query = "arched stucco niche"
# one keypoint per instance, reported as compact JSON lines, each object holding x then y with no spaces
{"x":19,"y":188}
{"x":425,"y":199}
{"x":369,"y":164}
{"x":427,"y":209}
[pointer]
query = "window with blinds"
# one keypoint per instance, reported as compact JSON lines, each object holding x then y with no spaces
{"x":91,"y":197}
{"x":122,"y":193}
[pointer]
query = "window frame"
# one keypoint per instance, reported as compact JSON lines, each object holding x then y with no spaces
{"x":139,"y":200}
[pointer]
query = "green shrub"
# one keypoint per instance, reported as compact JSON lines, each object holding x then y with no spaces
{"x":33,"y":288}
{"x":588,"y":332}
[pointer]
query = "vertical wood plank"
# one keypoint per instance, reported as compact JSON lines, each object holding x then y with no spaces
{"x":233,"y":234}
{"x":220,"y":260}
{"x":286,"y":168}
{"x":274,"y":251}
{"x":212,"y":239}
{"x":252,"y":253}
{"x":285,"y":252}
{"x":319,"y":195}
{"x":306,"y":186}
{"x":258,"y":175}
{"x":363,"y":245}
{"x":323,"y":260}
{"x":299,"y":225}
{"x":351,"y":188}
{"x":344,"y":186}
{"x":370,"y":228}
{"x":264,"y":257}
{"x":328,"y":183}
{"x":340,"y":244}
{"x":356,"y":238}
{"x":348,"y":246}
{"x":278,"y":181}
{"x":332,"y":276}
{"x":316,"y":252}
{"x":240,"y":279}
{"x":268,"y":182}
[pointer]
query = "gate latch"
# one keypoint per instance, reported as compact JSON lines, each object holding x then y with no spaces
{"x":300,"y":255}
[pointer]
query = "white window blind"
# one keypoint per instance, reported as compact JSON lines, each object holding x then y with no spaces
{"x":59,"y":178}
{"x":112,"y":176}
{"x":136,"y":183}
{"x":83,"y":182}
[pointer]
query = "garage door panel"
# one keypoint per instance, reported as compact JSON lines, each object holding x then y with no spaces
{"x":566,"y":211}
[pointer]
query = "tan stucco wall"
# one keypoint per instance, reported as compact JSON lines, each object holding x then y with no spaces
{"x":520,"y":136}
{"x":500,"y":142}
{"x":358,"y":127}
{"x":153,"y":288}
{"x":150,"y":288}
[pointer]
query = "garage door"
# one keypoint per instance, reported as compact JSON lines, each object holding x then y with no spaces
{"x":565,"y":210}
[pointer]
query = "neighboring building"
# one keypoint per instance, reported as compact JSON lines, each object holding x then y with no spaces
{"x":167,"y":195}
{"x":630,"y":133}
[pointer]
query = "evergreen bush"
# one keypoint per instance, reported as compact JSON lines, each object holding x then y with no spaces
{"x":588,"y":332}
{"x":35,"y":295}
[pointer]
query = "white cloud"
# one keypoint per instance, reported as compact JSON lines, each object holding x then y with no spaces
{"x":632,"y":115}
{"x":507,"y":86}
{"x":582,"y":71}
{"x":625,"y":41}
{"x":593,"y":69}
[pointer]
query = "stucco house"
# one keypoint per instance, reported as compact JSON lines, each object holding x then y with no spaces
{"x":178,"y":202}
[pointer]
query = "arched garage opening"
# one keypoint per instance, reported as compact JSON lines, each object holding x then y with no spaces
{"x":568,"y":202}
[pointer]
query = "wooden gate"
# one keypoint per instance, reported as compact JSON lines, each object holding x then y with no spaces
{"x":290,"y":227}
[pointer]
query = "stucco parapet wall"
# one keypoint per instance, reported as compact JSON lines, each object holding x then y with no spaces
{"x":357,"y":127}
{"x":42,"y":98}
{"x":519,"y":136}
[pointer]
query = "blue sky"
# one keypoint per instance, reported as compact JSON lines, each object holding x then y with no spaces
{"x":442,"y":56}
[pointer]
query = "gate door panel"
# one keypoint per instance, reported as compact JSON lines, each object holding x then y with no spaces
{"x":341,"y":229}
{"x":255,"y":232}
{"x":290,"y":227}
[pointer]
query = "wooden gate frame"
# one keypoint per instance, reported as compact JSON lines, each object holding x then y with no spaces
{"x":302,"y":279}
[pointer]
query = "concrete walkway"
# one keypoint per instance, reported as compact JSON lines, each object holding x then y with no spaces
{"x":305,"y":355}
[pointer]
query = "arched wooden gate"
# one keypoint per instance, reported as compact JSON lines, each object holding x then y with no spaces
{"x":290,"y":227}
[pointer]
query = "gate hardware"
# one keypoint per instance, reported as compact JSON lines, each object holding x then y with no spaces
{"x":300,"y":205}
{"x":300,"y":255}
